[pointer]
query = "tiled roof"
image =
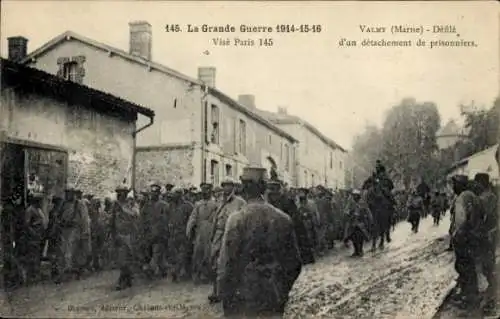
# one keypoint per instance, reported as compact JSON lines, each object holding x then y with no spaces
{"x":17,"y":74}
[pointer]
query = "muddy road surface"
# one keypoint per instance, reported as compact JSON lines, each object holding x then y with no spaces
{"x":408,"y":279}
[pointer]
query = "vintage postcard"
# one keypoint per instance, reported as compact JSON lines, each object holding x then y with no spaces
{"x":295,"y":159}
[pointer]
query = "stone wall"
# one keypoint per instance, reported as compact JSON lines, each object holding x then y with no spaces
{"x":165,"y":164}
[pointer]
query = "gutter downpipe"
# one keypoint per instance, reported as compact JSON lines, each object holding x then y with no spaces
{"x":134,"y":153}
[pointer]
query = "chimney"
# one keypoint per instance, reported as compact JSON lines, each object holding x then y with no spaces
{"x":206,"y":75}
{"x":282,"y":110}
{"x":18,"y":48}
{"x":140,"y":39}
{"x":247,"y":100}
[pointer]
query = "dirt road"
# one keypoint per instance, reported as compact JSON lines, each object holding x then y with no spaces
{"x":407,"y":280}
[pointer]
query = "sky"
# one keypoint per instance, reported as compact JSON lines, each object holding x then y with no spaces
{"x":337,"y":89}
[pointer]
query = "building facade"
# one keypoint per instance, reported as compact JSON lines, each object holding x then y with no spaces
{"x":481,"y":162}
{"x":319,"y":160}
{"x":450,"y":134}
{"x":58,"y":133}
{"x":199,"y":133}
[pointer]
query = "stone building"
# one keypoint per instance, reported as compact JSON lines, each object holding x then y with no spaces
{"x":57,"y":132}
{"x":199,"y":133}
{"x":319,"y":159}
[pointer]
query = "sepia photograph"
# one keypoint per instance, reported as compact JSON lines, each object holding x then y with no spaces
{"x":250,"y":159}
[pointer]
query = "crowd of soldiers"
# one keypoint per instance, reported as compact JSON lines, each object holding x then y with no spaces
{"x":249,"y":239}
{"x":474,"y":239}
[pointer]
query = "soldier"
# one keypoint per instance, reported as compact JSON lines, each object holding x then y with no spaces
{"x":154,"y":230}
{"x":424,"y":191}
{"x":199,"y":232}
{"x":97,"y":228}
{"x":36,"y":223}
{"x":436,"y":207}
{"x":179,"y":250}
{"x":415,"y":206}
{"x":12,"y":209}
{"x":124,"y":232}
{"x":228,"y":204}
{"x":467,"y":213}
{"x":359,"y":220}
{"x":54,"y":231}
{"x":309,"y":216}
{"x":259,"y":259}
{"x":489,"y":240}
{"x":324,"y":206}
{"x":286,"y":203}
{"x":72,"y":226}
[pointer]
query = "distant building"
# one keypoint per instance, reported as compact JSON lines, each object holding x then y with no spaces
{"x":319,"y":159}
{"x":199,"y":133}
{"x":54,"y":132}
{"x":450,"y":134}
{"x":481,"y":162}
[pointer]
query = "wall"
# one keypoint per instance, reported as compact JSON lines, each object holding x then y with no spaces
{"x":165,"y":165}
{"x":313,"y":158}
{"x":99,"y":146}
{"x":174,"y":101}
{"x":444,"y":142}
{"x":483,"y":162}
{"x":261,"y":143}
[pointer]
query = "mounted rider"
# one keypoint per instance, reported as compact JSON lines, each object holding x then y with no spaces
{"x":381,"y":202}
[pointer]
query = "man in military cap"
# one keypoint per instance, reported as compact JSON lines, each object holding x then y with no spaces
{"x":260,"y":240}
{"x":466,"y":221}
{"x":179,"y":247}
{"x":199,"y":232}
{"x":228,"y":204}
{"x":286,"y":203}
{"x":74,"y":227}
{"x":154,"y":219}
{"x":124,"y":234}
{"x":489,"y":238}
{"x":309,"y":215}
{"x":169,"y":187}
{"x":359,"y":219}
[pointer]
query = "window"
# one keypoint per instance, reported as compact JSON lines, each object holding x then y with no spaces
{"x":70,"y":71}
{"x":340,"y":164}
{"x":214,"y":115}
{"x":270,"y":140}
{"x":242,"y":143}
{"x":281,"y":152}
{"x":287,"y":157}
{"x":313,"y":180}
{"x":214,"y":172}
{"x":331,"y":160}
{"x":229,"y":170}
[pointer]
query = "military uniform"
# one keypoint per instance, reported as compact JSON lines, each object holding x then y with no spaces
{"x":75,"y":236}
{"x":467,"y":211}
{"x":36,"y":223}
{"x":125,"y":218}
{"x":359,"y":220}
{"x":179,"y":250}
{"x":228,"y":204}
{"x":489,"y":232}
{"x":199,"y":232}
{"x":154,"y":231}
{"x":259,"y":259}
